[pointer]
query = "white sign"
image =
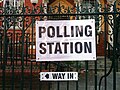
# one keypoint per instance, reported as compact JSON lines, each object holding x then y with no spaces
{"x":65,"y":40}
{"x":58,"y":76}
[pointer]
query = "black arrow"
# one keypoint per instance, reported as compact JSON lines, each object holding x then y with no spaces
{"x":47,"y":75}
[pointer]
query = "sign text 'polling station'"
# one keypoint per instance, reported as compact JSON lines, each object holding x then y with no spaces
{"x":65,"y":40}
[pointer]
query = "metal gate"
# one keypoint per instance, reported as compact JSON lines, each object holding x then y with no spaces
{"x":20,"y":71}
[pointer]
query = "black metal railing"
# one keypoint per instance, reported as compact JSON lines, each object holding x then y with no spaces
{"x":18,"y":67}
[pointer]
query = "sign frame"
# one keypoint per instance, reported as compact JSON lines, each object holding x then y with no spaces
{"x":58,"y":76}
{"x":47,"y":35}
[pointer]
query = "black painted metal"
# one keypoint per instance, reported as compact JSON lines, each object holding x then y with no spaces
{"x":18,"y":68}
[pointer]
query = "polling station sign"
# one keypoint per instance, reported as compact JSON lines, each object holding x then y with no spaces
{"x":58,"y":76}
{"x":65,"y":40}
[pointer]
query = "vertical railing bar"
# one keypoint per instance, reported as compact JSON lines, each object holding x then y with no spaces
{"x":16,"y":47}
{"x":95,"y":75}
{"x":22,"y":54}
{"x":1,"y":48}
{"x":86,"y":75}
{"x":95,"y":65}
{"x":78,"y":76}
{"x":19,"y":46}
{"x":13,"y":52}
{"x":105,"y":46}
{"x":58,"y":83}
{"x":40,"y":84}
{"x":68,"y":63}
{"x":77,"y":18}
{"x":40,"y":88}
{"x":12,"y":61}
{"x":4,"y":51}
{"x":29,"y":45}
{"x":31,"y":76}
{"x":48,"y":63}
{"x":26,"y":48}
{"x":114,"y":47}
{"x":68,"y":81}
{"x":96,"y":25}
{"x":67,"y":85}
{"x":32,"y":37}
